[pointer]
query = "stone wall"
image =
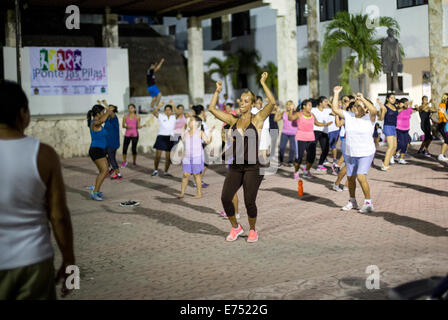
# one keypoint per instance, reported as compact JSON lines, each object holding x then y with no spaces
{"x":70,"y":136}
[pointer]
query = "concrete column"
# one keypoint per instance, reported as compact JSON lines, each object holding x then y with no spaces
{"x":313,"y":47}
{"x":225,"y":21}
{"x":195,"y":61}
{"x":438,"y":54}
{"x":10,"y":29}
{"x":288,"y":85}
{"x":110,"y":30}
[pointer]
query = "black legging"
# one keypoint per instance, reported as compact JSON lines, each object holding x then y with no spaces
{"x":324,"y":142}
{"x":247,"y":176}
{"x":127,"y":140}
{"x":111,"y":157}
{"x":309,"y":147}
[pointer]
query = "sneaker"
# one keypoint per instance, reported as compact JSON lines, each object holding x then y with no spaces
{"x":384,"y":168}
{"x":337,"y":168}
{"x":427,"y":154}
{"x":297,"y":175}
{"x":156,"y":172}
{"x":129,"y":203}
{"x":290,"y":165}
{"x":337,"y":188}
{"x":420,"y":152}
{"x":397,"y":156}
{"x":204,"y":185}
{"x":366,"y":208}
{"x":402,"y":161}
{"x":253,"y":236}
{"x":91,"y":188}
{"x":350,"y":206}
{"x":116,"y":177}
{"x":345,"y":188}
{"x":111,"y":171}
{"x":442,"y":158}
{"x":235,"y":233}
{"x":392,"y":160}
{"x":134,"y":164}
{"x":166,"y":174}
{"x":223,"y":214}
{"x":307,"y":175}
{"x":321,"y":170}
{"x":333,"y":169}
{"x":124,"y":164}
{"x":326,"y":164}
{"x":97,"y":196}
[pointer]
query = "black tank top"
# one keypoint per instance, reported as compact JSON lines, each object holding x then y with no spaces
{"x":424,"y":118}
{"x":391,"y":117}
{"x":245,"y":148}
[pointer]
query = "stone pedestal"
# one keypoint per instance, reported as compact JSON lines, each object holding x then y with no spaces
{"x":195,"y":61}
{"x":288,"y":86}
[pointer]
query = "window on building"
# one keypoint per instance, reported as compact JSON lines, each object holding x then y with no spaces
{"x":300,"y":11}
{"x":172,"y":30}
{"x":329,"y":8}
{"x":240,"y":24}
{"x":216,"y":29}
{"x":303,"y":77}
{"x":242,"y":81}
{"x":410,"y":3}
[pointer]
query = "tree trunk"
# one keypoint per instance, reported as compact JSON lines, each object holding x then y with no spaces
{"x":226,"y":85}
{"x":313,"y":48}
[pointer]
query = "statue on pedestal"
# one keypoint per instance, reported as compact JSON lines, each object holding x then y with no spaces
{"x":392,"y":62}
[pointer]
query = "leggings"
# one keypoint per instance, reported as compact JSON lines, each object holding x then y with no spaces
{"x":127,"y":140}
{"x":324,"y":142}
{"x":292,"y":147}
{"x":402,"y":140}
{"x":309,"y":147}
{"x":247,"y":176}
{"x":111,"y":157}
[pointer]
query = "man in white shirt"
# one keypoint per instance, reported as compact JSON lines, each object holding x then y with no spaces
{"x":322,"y":115}
{"x":165,"y":137}
{"x":265,"y":139}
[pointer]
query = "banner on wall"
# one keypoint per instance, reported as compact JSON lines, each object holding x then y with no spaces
{"x":68,"y":71}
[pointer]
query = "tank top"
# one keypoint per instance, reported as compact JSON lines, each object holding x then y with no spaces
{"x":24,"y":231}
{"x":245,"y":148}
{"x":390,"y":119}
{"x":425,"y":119}
{"x":99,"y":138}
{"x":288,"y":127}
{"x":131,"y":130}
{"x":404,"y":119}
{"x":442,"y":118}
{"x":193,"y":145}
{"x":272,"y":123}
{"x":306,"y":128}
{"x":180,"y":124}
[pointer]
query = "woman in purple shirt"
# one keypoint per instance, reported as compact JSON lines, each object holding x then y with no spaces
{"x":288,"y":135}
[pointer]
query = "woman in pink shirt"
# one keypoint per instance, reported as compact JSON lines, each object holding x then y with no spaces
{"x":305,"y":139}
{"x":403,"y":126}
{"x":289,"y":132}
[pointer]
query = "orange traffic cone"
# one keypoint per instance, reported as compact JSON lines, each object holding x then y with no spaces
{"x":300,"y":190}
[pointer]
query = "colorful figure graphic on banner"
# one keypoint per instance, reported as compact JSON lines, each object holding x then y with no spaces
{"x":61,"y":60}
{"x":78,"y":61}
{"x":44,"y":60}
{"x":53,"y":59}
{"x":69,"y":60}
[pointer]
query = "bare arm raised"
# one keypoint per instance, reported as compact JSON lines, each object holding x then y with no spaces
{"x":219,"y":114}
{"x":335,"y":105}
{"x":267,"y":110}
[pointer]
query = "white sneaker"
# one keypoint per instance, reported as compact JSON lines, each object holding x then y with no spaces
{"x":327,"y":164}
{"x":402,"y":161}
{"x":350,"y":206}
{"x":397,"y":156}
{"x":366,"y":208}
{"x":238,"y":216}
{"x":337,"y":188}
{"x":383,"y":168}
{"x":442,"y":158}
{"x":392,"y":160}
{"x":345,"y":188}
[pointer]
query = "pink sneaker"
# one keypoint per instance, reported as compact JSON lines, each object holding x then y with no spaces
{"x":124,"y":164}
{"x":296,"y":175}
{"x":253,"y":236}
{"x":235,"y":233}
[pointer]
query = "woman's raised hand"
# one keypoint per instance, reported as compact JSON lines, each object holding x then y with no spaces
{"x":337,"y":89}
{"x":264,"y":76}
{"x":219,"y":86}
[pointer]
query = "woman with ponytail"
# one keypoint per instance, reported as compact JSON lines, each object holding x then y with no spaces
{"x":97,"y":152}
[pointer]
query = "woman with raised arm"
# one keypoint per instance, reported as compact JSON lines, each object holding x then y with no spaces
{"x":389,"y":113}
{"x":245,"y":168}
{"x":305,"y":137}
{"x":359,"y":146}
{"x":425,"y":111}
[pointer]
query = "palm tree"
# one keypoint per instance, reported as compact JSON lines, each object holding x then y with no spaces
{"x":247,"y":63}
{"x":352,"y":32}
{"x":272,"y":80}
{"x":223,"y":68}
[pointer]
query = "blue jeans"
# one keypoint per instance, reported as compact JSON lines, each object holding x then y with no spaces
{"x":292,"y":147}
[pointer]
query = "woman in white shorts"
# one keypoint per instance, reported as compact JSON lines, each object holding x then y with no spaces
{"x":359,"y":146}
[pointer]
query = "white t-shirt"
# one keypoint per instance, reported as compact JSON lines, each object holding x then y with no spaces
{"x":266,"y":125}
{"x":167,"y":125}
{"x":359,"y":135}
{"x":322,"y":117}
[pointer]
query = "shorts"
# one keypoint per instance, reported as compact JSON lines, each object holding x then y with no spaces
{"x":33,"y":282}
{"x":441,"y":129}
{"x":164,"y":143}
{"x":265,"y":140}
{"x":343,"y":146}
{"x":193,"y":166}
{"x":390,"y":131}
{"x":97,"y":153}
{"x":153,"y":91}
{"x":334,"y":137}
{"x":358,"y":165}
